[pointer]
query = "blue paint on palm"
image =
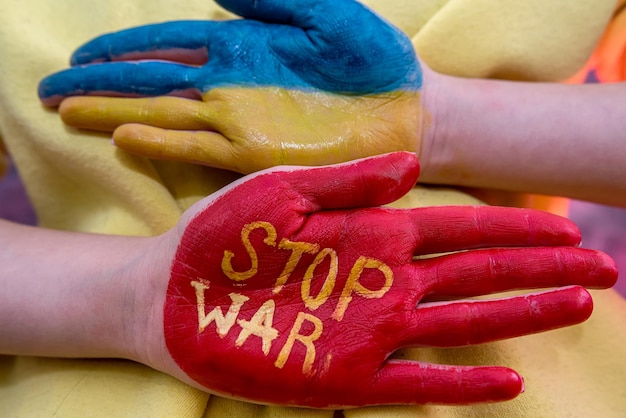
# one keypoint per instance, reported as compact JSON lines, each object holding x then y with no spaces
{"x":338,"y":46}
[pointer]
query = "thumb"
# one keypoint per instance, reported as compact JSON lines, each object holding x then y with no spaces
{"x":366,"y":182}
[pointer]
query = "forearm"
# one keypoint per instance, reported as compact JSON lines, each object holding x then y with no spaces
{"x":67,"y":294}
{"x":544,"y":138}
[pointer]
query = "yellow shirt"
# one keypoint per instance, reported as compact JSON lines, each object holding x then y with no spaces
{"x":78,"y":181}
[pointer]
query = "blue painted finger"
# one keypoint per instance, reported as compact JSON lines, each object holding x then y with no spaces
{"x":146,"y":41}
{"x":119,"y":79}
{"x":331,"y":46}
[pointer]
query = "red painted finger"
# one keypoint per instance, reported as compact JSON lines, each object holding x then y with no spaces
{"x":485,"y":272}
{"x":401,"y":234}
{"x":455,"y":324}
{"x":405,"y":382}
{"x":443,"y":229}
{"x":366,"y":182}
{"x":300,"y":191}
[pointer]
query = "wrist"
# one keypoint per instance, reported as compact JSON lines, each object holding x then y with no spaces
{"x":149,"y":276}
{"x":459,"y":110}
{"x":434,"y":115}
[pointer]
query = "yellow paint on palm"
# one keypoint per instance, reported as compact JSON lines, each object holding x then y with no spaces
{"x":279,"y":126}
{"x":248,"y":129}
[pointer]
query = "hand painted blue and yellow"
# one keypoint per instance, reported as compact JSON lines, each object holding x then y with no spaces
{"x":308,"y":82}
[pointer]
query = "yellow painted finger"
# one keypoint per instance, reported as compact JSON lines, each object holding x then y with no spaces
{"x":198,"y":147}
{"x":108,"y":113}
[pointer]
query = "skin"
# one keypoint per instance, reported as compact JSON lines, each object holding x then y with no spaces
{"x":474,"y":133}
{"x":155,"y":304}
{"x":506,"y":142}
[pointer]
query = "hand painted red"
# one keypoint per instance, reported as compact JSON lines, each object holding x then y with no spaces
{"x":293,"y":287}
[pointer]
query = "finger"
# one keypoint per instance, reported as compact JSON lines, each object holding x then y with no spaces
{"x":365,"y":182}
{"x":108,"y":113}
{"x":434,"y":230}
{"x":455,"y":324}
{"x":451,"y":228}
{"x":197,"y":147}
{"x":183,"y":41}
{"x":476,"y":273}
{"x":399,"y":234}
{"x":119,"y":79}
{"x":407,"y":382}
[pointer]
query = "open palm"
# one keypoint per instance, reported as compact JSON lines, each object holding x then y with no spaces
{"x":295,"y":82}
{"x":302,"y":298}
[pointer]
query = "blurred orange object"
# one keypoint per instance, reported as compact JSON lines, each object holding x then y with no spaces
{"x":607,"y":64}
{"x":4,"y":161}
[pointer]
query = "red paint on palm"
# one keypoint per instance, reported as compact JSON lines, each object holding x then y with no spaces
{"x":293,"y":288}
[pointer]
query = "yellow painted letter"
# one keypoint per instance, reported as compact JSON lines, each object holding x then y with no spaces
{"x":227,"y":266}
{"x":353,"y":286}
{"x":297,"y":249}
{"x":222,"y":323}
{"x":329,"y":283}
{"x":307,"y":340}
{"x":260,"y":325}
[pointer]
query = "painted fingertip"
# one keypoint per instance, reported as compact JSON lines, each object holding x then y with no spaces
{"x":573,"y":231}
{"x":512,"y":384}
{"x":402,"y":166}
{"x":46,"y":95}
{"x":492,"y":384}
{"x":567,"y":231}
{"x":606,"y":270}
{"x":581,"y":306}
{"x":397,"y":174}
{"x":550,"y":229}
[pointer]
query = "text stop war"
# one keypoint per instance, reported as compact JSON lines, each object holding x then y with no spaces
{"x":261,"y":323}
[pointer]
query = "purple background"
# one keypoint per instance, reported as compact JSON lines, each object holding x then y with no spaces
{"x":603,"y":227}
